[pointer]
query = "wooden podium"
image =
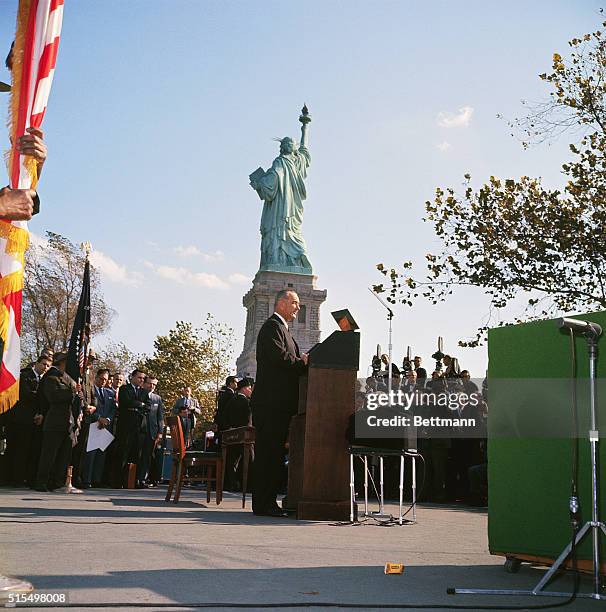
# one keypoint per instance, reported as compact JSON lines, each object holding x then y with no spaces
{"x":318,"y":474}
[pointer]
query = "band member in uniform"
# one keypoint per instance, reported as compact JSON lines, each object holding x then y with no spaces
{"x":58,"y":394}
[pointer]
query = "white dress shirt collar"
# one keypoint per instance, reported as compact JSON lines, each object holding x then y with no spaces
{"x":281,"y":319}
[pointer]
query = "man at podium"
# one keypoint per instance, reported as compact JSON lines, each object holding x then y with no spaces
{"x":275,"y":399}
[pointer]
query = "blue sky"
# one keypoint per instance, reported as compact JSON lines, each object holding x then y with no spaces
{"x":161,"y":109}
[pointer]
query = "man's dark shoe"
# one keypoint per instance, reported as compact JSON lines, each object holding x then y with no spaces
{"x":141,"y":485}
{"x":275,"y":512}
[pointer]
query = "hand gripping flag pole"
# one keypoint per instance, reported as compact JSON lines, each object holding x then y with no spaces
{"x":33,"y":68}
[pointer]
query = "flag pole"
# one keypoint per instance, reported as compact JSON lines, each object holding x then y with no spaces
{"x":77,"y":366}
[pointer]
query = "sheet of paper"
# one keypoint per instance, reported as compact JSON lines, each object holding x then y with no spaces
{"x":98,"y":438}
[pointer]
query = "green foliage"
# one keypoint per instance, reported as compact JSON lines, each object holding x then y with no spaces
{"x":117,"y":357}
{"x":198,"y":357}
{"x":518,"y":238}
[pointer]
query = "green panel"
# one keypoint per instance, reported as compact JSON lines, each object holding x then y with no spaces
{"x":529,"y":479}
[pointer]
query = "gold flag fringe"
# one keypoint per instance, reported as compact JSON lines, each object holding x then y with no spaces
{"x":32,"y":168}
{"x":17,"y":73}
{"x":17,"y":239}
{"x":9,"y":397}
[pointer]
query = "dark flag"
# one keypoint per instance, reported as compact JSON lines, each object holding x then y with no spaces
{"x":80,"y":338}
{"x":76,"y":365}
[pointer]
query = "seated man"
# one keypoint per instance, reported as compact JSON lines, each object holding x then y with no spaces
{"x":185,"y":425}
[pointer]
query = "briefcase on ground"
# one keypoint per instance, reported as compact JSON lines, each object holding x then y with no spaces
{"x":131,"y":475}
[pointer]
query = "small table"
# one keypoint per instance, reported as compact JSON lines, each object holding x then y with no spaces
{"x":364,"y":452}
{"x":244,"y":437}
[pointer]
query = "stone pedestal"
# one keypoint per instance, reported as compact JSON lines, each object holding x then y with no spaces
{"x":259,"y":304}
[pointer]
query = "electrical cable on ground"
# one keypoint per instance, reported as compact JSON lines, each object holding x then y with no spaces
{"x":303,"y":604}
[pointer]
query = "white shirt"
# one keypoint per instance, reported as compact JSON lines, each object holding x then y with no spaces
{"x":281,"y":319}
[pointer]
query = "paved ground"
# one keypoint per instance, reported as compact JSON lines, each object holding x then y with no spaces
{"x":131,"y":548}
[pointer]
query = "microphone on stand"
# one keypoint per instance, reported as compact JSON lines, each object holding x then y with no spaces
{"x":376,"y":362}
{"x":407,"y":363}
{"x":582,"y":327}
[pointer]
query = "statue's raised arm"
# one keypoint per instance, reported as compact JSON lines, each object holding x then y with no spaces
{"x":305,"y":120}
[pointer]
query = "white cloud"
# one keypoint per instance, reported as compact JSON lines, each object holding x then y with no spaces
{"x":187,"y":251}
{"x":109,"y":268}
{"x":444,"y":146}
{"x":193,"y":251}
{"x":239,"y":279}
{"x":112,"y":271}
{"x":183,"y":276}
{"x":462,"y":118}
{"x":216,"y":256}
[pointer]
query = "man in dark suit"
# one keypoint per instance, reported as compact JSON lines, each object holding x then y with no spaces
{"x":275,"y":399}
{"x":152,"y":429}
{"x":131,"y":407}
{"x":185,"y":425}
{"x":236,"y":413}
{"x":102,"y":418}
{"x":22,"y":423}
{"x":58,"y":396}
{"x":89,"y":406}
{"x":238,"y":407}
{"x":420,"y":370}
{"x":225,"y":395}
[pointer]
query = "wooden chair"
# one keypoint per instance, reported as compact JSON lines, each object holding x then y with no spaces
{"x":187,"y":463}
{"x":243,"y":438}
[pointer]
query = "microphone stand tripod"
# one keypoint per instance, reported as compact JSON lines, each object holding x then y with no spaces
{"x":389,"y":385}
{"x":595,"y":524}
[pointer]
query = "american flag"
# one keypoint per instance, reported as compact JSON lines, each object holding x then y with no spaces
{"x":34,"y":58}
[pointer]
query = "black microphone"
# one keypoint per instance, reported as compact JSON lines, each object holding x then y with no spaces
{"x":582,"y":327}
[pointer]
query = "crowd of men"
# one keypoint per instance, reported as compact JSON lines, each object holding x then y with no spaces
{"x":48,"y":430}
{"x":454,"y":466}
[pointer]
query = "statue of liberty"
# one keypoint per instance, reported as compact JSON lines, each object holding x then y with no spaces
{"x":282,"y":189}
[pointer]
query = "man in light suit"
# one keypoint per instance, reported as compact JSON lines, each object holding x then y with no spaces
{"x":102,"y":418}
{"x":191,"y":403}
{"x":275,"y":399}
{"x":152,"y":428}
